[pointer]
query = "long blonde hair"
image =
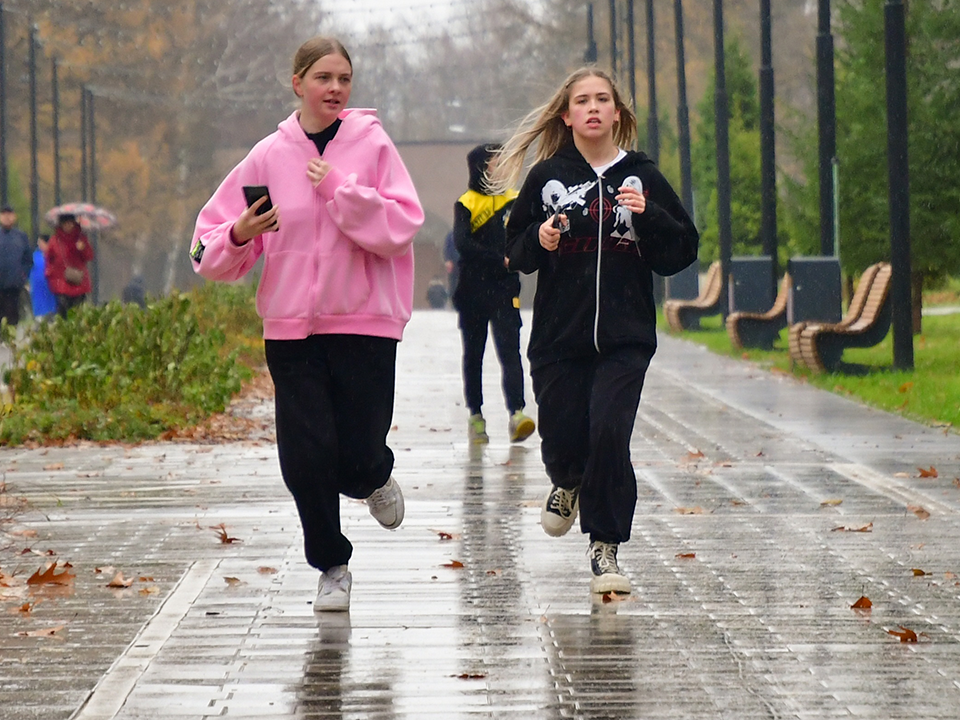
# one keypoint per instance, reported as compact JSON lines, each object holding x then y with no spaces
{"x":545,"y":126}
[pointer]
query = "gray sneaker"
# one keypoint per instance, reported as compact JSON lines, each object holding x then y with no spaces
{"x":333,"y":593}
{"x":386,"y":505}
{"x":559,"y":510}
{"x":606,"y":573}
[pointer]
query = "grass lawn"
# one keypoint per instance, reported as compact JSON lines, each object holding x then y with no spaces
{"x":929,"y":394}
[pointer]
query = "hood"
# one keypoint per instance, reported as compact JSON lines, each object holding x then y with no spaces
{"x":357,"y":122}
{"x":477,"y":160}
{"x":636,"y":157}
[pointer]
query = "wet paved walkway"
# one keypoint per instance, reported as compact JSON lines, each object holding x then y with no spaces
{"x":743,"y":583}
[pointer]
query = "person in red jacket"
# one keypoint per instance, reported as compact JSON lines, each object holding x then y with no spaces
{"x":68,"y":254}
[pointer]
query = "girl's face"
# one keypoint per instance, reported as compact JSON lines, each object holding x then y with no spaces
{"x":324,"y":89}
{"x":591,"y":112}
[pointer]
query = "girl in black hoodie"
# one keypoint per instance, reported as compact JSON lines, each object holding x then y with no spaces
{"x":595,"y":221}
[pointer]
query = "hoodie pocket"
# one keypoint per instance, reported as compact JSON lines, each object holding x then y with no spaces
{"x":344,"y":283}
{"x":285,"y":287}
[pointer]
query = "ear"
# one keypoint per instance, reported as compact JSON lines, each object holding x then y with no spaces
{"x":616,"y":116}
{"x":565,"y":116}
{"x":297,"y":87}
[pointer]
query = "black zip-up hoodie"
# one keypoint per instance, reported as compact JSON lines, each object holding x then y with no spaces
{"x":596,"y":297}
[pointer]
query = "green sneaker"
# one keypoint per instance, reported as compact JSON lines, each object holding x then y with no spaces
{"x":521,"y":427}
{"x":477,"y":429}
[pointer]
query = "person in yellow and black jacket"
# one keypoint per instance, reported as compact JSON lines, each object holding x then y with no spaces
{"x":487,"y":294}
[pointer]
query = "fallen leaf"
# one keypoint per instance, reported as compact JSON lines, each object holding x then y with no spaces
{"x":906,"y":387}
{"x":928,"y":473}
{"x":221,"y":531}
{"x":232,"y":581}
{"x":831,"y":503}
{"x":46,"y":632}
{"x":119,"y":581}
{"x":685,"y":556}
{"x":264,"y":570}
{"x":689,"y":510}
{"x":918,"y":511}
{"x":496,"y":572}
{"x":905,"y":634}
{"x":862,"y":604}
{"x":27,"y":607}
{"x":917,"y":572}
{"x":456,"y":564}
{"x":609,"y":597}
{"x":862,"y":529}
{"x":53,"y":466}
{"x":151,"y":590}
{"x":145,"y":578}
{"x":50,"y":576}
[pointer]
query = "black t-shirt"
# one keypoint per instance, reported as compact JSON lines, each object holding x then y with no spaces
{"x":320,"y":139}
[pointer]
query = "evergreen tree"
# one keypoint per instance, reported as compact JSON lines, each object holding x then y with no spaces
{"x":933,"y":38}
{"x":744,"y":133}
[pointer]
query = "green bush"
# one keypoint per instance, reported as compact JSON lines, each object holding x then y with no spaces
{"x":119,"y":372}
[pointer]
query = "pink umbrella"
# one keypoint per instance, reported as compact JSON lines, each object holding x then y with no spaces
{"x":89,"y":216}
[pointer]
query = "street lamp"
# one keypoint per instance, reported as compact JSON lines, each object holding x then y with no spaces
{"x":768,"y":165}
{"x":653,"y":122}
{"x":721,"y":115}
{"x":827,"y":129}
{"x":898,"y":168}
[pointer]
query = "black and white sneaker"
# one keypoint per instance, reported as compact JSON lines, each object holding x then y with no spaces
{"x":559,"y":510}
{"x":606,"y":573}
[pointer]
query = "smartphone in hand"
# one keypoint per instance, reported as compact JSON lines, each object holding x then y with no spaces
{"x":252,"y":193}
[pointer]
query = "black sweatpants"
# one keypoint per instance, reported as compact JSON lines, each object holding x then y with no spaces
{"x":587,"y":408}
{"x":505,"y":321}
{"x":334,"y":408}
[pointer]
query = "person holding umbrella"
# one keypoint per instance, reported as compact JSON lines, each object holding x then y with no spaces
{"x":67,"y":257}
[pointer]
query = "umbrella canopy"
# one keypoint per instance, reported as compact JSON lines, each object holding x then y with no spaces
{"x":89,"y":216}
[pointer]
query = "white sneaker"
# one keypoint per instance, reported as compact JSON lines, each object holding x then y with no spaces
{"x":333,"y":593}
{"x":606,"y":572}
{"x":559,"y":510}
{"x":386,"y":505}
{"x":520,"y":427}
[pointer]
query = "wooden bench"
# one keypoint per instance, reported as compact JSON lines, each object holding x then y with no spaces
{"x":821,"y":346}
{"x":685,"y":314}
{"x":759,"y":330}
{"x":857,"y":302}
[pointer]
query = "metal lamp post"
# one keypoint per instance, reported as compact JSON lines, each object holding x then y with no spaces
{"x":898,"y":167}
{"x":722,"y":118}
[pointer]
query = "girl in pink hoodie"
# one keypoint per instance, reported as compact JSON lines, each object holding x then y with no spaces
{"x":335,"y":294}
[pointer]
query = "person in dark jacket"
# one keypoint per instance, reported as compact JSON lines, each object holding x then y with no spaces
{"x":16,"y":259}
{"x":487,"y":294}
{"x":595,"y":220}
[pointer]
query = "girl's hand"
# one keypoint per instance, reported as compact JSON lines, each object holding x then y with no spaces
{"x":317,"y":170}
{"x":549,"y":235}
{"x":249,"y":224}
{"x":632,"y":199}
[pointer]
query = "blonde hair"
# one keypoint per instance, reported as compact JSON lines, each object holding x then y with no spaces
{"x":545,"y":126}
{"x":314,"y":49}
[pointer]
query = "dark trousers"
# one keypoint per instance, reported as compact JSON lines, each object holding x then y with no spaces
{"x":67,"y":302}
{"x":587,"y":408}
{"x":334,"y":408}
{"x":505,"y":322}
{"x":10,"y":305}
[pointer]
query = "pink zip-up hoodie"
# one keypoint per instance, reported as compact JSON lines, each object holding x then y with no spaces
{"x":342,"y":260}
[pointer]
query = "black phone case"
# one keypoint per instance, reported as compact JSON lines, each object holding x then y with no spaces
{"x":252,"y":193}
